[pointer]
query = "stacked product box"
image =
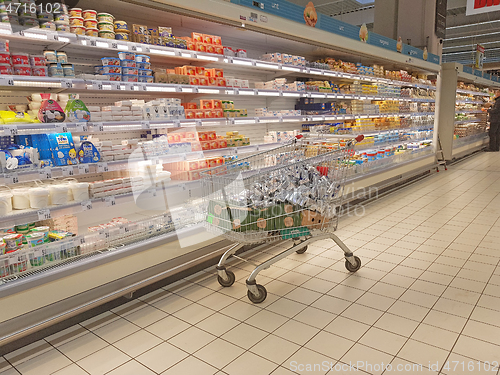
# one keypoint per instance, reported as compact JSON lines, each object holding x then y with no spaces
{"x":160,"y":36}
{"x":285,"y":59}
{"x":190,"y":170}
{"x":208,"y":108}
{"x":281,"y":84}
{"x":230,"y":110}
{"x":264,"y":112}
{"x":204,"y":43}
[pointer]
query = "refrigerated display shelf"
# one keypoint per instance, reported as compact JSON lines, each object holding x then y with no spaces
{"x":476,"y":93}
{"x":460,"y":122}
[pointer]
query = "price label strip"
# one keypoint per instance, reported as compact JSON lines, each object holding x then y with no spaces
{"x":97,"y":85}
{"x":44,"y":214}
{"x":124,"y":229}
{"x":102,"y":167}
{"x":68,"y":171}
{"x":6,"y":81}
{"x":66,"y":83}
{"x":110,"y":201}
{"x":104,"y":234}
{"x":86,"y":205}
{"x":45,"y":174}
{"x":83,"y":169}
{"x":98,"y":126}
{"x":10,"y":130}
{"x":11,"y":178}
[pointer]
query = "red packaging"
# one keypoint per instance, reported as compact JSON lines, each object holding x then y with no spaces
{"x":216,"y":104}
{"x":200,"y":71}
{"x":202,"y":136}
{"x":199,"y":113}
{"x":6,"y":69}
{"x":209,"y":113}
{"x":214,"y":145}
{"x":195,"y":146}
{"x":37,"y":60}
{"x":205,"y":145}
{"x":191,"y":165}
{"x":211,"y":135}
{"x":202,"y":163}
{"x":194,"y":80}
{"x":217,"y":40}
{"x":212,"y":81}
{"x":201,"y":47}
{"x":219,"y":113}
{"x":222,"y":144}
{"x":20,"y":59}
{"x":208,"y":73}
{"x":220,"y":159}
{"x":207,"y":39}
{"x":218,"y":72}
{"x":210,"y":48}
{"x":115,"y":77}
{"x":191,"y":46}
{"x":22,"y":70}
{"x":206,"y":104}
{"x":4,"y":58}
{"x":193,"y":175}
{"x":40,"y":71}
{"x":221,"y":82}
{"x":189,"y":70}
{"x":197,"y":37}
{"x":203,"y":80}
{"x":212,"y":162}
{"x":219,"y":50}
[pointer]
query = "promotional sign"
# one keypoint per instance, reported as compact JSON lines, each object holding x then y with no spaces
{"x":482,"y":6}
{"x":479,"y":56}
{"x":440,"y":22}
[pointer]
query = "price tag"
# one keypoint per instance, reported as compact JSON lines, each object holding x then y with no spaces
{"x":115,"y":85}
{"x":68,"y":171}
{"x":145,"y":125}
{"x":83,"y":169}
{"x":86,"y":205}
{"x":102,"y":167}
{"x":124,"y":229}
{"x":10,"y":130}
{"x":143,"y":87}
{"x":11,"y":178}
{"x":45,"y":174}
{"x":152,"y":192}
{"x":16,"y":258}
{"x":44,"y":214}
{"x":110,"y":201}
{"x":53,"y":37}
{"x":132,"y":48}
{"x":40,"y":251}
{"x":113,"y":45}
{"x":96,"y":85}
{"x":198,"y":122}
{"x":61,"y":128}
{"x":178,"y":88}
{"x":129,"y":86}
{"x":66,"y":83}
{"x":98,"y":126}
{"x":229,"y":59}
{"x":236,"y":91}
{"x":308,"y":70}
{"x":82,"y":128}
{"x":6,"y":81}
{"x":182,"y":187}
{"x":146,"y":49}
{"x":177,"y":124}
{"x":82,"y":240}
{"x":196,"y":90}
{"x":257,"y":120}
{"x":104,"y":234}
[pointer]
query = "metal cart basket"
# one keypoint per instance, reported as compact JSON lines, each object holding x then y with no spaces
{"x":292,"y":193}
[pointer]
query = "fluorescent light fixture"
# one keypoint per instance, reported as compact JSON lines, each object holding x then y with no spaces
{"x":189,"y":124}
{"x":229,"y":92}
{"x":185,"y":89}
{"x":472,"y":36}
{"x":122,"y":47}
{"x":5,"y":32}
{"x":162,"y":52}
{"x":35,"y":35}
{"x":63,"y":39}
{"x":317,"y":118}
{"x":269,"y":93}
{"x":313,"y":95}
{"x":242,"y":62}
{"x":331,"y":74}
{"x":291,"y":94}
{"x":188,"y":55}
{"x":290,"y":68}
{"x":236,"y":121}
{"x":165,"y":89}
{"x":208,"y":91}
{"x":101,"y":44}
{"x":261,"y":65}
{"x":274,"y":120}
{"x":247,"y":92}
{"x":208,"y":58}
{"x":212,"y":123}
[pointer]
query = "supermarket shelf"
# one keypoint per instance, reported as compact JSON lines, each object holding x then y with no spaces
{"x":468,"y":121}
{"x":469,"y":102}
{"x":101,"y":44}
{"x":476,"y":93}
{"x":457,"y":112}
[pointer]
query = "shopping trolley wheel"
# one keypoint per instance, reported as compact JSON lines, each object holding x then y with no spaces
{"x":302,"y":251}
{"x":352,"y":268}
{"x":229,"y":281}
{"x":261,"y":297}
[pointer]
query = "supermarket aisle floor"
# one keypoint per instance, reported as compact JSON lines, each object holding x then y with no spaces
{"x":428,"y":293}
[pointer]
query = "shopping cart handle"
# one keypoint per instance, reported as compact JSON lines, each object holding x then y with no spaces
{"x":360,"y":138}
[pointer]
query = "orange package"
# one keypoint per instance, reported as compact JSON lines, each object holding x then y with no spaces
{"x":190,"y":113}
{"x":203,"y":80}
{"x":219,"y":50}
{"x":197,"y":37}
{"x":212,"y":81}
{"x":193,"y":175}
{"x":217,"y":40}
{"x":190,"y":165}
{"x":190,"y":105}
{"x":208,"y":39}
{"x":190,"y":135}
{"x":194,"y":80}
{"x":191,"y":46}
{"x":211,"y":135}
{"x":214,"y":145}
{"x":189,"y":70}
{"x":206,"y":104}
{"x":209,"y":113}
{"x":202,"y":163}
{"x":218,"y":72}
{"x":212,"y":162}
{"x":195,"y":146}
{"x":201,"y":47}
{"x":202,"y":136}
{"x":216,"y":104}
{"x":208,"y":73}
{"x":210,"y":48}
{"x":222,"y":144}
{"x":199,"y":113}
{"x":221,"y":82}
{"x":200,"y":71}
{"x":205,"y":145}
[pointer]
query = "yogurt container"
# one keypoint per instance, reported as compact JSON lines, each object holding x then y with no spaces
{"x":90,"y":24}
{"x":2,"y":249}
{"x":20,"y":199}
{"x":44,"y":230}
{"x":75,"y":12}
{"x":22,"y":70}
{"x":120,"y":25}
{"x":12,"y":241}
{"x":63,"y":28}
{"x":10,"y":18}
{"x":76,"y":21}
{"x":37,"y":60}
{"x":20,"y":58}
{"x":68,"y":70}
{"x":6,"y":69}
{"x":62,"y":57}
{"x":5,"y":203}
{"x":121,"y":36}
{"x":110,"y":61}
{"x":35,"y":239}
{"x":112,"y":69}
{"x":89,"y":14}
{"x":128,"y":63}
{"x":4,"y":45}
{"x":78,"y":30}
{"x":92,"y":32}
{"x":129,"y":71}
{"x":5,"y":58}
{"x":113,"y":76}
{"x":56,"y":70}
{"x":142,"y":58}
{"x":124,"y":55}
{"x":29,"y":22}
{"x":105,"y":17}
{"x":146,"y":79}
{"x":130,"y":78}
{"x":143,"y":65}
{"x":107,"y":34}
{"x":39,"y":197}
{"x":106,"y":26}
{"x":145,"y":72}
{"x":40,"y":71}
{"x":45,"y":17}
{"x":48,"y":25}
{"x":99,"y":69}
{"x":26,"y":14}
{"x":61,"y":18}
{"x":50,"y":56}
{"x":80,"y":191}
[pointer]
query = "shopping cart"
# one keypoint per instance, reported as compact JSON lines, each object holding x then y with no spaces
{"x":292,"y":193}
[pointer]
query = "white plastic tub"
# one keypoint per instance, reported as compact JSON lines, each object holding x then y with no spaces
{"x":20,"y":199}
{"x":39,"y":197}
{"x":80,"y":190}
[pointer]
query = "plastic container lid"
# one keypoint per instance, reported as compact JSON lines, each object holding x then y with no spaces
{"x":39,"y":192}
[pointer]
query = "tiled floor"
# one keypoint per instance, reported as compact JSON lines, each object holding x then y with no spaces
{"x":428,"y":293}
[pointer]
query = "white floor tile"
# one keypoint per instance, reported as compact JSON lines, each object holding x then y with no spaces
{"x":137,"y":343}
{"x":167,"y":327}
{"x":191,"y":365}
{"x":315,"y":317}
{"x":421,"y":353}
{"x":296,"y":332}
{"x":103,"y":361}
{"x":161,"y":357}
{"x":219,"y":353}
{"x":131,"y":368}
{"x":145,"y":316}
{"x":116,"y":330}
{"x":435,"y":336}
{"x":445,"y":321}
{"x":286,"y":307}
{"x":477,"y":349}
{"x":244,"y":335}
{"x":347,"y":328}
{"x":250,"y":364}
{"x":368,"y":357}
{"x":217,"y":324}
{"x":362,"y":314}
{"x":82,"y":346}
{"x":322,"y":343}
{"x":275,"y":348}
{"x":306,"y":361}
{"x":192,"y":339}
{"x":195,"y":313}
{"x":457,"y":364}
{"x":382,"y":340}
{"x":72,"y":369}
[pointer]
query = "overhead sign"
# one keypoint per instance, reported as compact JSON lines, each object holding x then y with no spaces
{"x":482,"y":6}
{"x":479,"y":56}
{"x":440,"y":22}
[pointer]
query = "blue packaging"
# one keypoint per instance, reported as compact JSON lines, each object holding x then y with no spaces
{"x":63,"y":148}
{"x":88,"y":153}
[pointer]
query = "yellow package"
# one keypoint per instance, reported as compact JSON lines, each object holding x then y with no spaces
{"x":10,"y":117}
